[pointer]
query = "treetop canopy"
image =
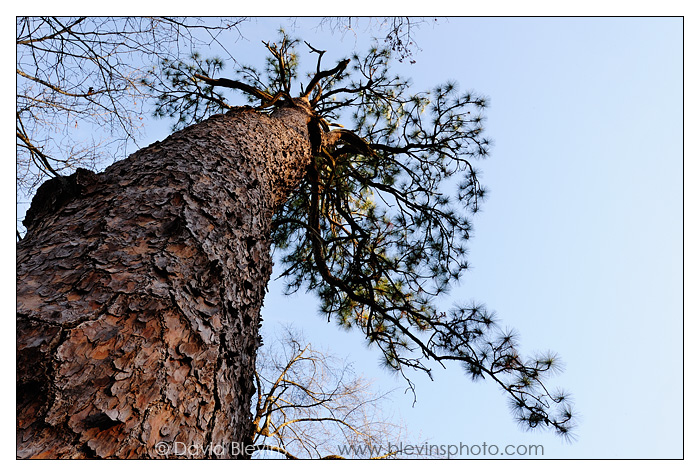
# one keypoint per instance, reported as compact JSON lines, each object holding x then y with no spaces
{"x":378,"y":228}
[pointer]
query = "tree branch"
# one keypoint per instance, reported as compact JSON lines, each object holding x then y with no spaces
{"x":233,"y":84}
{"x":324,"y":74}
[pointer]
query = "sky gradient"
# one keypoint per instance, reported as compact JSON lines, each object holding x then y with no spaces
{"x":579,"y":245}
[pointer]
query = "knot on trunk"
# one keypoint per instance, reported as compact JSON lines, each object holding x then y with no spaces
{"x":56,"y":192}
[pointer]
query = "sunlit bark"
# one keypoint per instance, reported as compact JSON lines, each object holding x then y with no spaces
{"x":139,"y":291}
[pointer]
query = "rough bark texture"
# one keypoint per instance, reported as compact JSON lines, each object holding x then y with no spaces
{"x":139,"y":292}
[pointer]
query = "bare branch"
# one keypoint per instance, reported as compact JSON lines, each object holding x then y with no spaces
{"x":316,"y":404}
{"x":89,"y":71}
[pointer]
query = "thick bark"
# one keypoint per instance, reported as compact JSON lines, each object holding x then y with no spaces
{"x":139,"y":291}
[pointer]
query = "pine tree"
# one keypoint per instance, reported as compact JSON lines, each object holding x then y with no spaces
{"x":139,"y":288}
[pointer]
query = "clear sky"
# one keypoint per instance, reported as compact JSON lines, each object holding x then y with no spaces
{"x":579,"y":246}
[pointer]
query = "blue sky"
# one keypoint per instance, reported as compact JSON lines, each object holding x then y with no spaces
{"x":579,"y":246}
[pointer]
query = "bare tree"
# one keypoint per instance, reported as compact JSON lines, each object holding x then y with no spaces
{"x":80,"y":97}
{"x":311,"y":403}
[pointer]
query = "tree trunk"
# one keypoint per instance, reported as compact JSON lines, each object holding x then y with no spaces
{"x":139,"y":293}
